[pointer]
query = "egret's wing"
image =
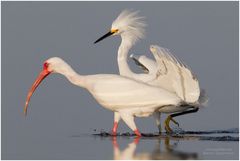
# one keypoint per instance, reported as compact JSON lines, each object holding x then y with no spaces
{"x":146,"y":64}
{"x":174,"y":73}
{"x":139,"y":64}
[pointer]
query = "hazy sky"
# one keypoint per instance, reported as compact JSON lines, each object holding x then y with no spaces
{"x":202,"y":34}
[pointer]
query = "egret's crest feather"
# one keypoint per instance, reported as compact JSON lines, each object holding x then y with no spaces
{"x":131,"y":25}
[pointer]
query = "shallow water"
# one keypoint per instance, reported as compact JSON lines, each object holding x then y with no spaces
{"x":101,"y":145}
{"x":214,"y":144}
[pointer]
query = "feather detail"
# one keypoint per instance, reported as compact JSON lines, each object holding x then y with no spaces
{"x":184,"y":82}
{"x":131,"y":24}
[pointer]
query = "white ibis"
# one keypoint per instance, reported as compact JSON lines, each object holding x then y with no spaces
{"x":172,"y":77}
{"x":127,"y":97}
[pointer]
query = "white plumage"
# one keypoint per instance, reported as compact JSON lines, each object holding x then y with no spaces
{"x":148,"y":65}
{"x":125,"y":96}
{"x":166,"y":72}
{"x":182,"y":80}
{"x":130,"y":24}
{"x":168,"y":86}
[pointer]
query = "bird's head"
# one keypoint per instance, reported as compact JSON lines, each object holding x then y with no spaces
{"x":52,"y":65}
{"x":57,"y":65}
{"x":129,"y":25}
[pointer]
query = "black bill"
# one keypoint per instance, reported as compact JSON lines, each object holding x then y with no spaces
{"x":104,"y":36}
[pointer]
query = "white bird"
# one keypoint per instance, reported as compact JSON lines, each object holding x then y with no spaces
{"x":146,"y":64}
{"x":166,"y":72}
{"x":127,"y":97}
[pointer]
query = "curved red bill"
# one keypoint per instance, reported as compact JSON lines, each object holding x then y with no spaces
{"x":39,"y":79}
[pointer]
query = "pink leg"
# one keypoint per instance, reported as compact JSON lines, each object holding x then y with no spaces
{"x":129,"y":120}
{"x":137,"y":132}
{"x":117,"y":118}
{"x":115,"y":126}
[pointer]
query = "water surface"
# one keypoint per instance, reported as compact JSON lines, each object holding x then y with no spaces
{"x":101,"y":145}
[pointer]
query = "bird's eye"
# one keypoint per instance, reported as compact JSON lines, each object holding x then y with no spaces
{"x":45,"y":65}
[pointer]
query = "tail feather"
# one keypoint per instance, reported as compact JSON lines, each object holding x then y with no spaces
{"x":202,"y":101}
{"x":203,"y":98}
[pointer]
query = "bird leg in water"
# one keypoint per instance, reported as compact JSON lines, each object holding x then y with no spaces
{"x":157,"y":116}
{"x":114,"y":129}
{"x":117,"y":118}
{"x":170,"y":118}
{"x":129,"y":120}
{"x":167,"y":121}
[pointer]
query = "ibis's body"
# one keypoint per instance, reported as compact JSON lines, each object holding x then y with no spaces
{"x":125,"y":96}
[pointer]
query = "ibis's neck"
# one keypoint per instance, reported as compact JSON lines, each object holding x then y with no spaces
{"x":123,"y":50}
{"x":73,"y":76}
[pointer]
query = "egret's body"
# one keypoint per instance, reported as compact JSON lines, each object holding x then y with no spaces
{"x":117,"y":93}
{"x":165,"y":72}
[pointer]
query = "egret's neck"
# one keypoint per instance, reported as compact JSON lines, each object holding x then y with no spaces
{"x":123,"y":50}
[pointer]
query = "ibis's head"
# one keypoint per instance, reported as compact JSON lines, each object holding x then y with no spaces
{"x":56,"y":65}
{"x":129,"y":25}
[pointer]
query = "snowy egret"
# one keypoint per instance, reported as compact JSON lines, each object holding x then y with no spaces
{"x":174,"y":77}
{"x":127,"y":97}
{"x":146,"y":64}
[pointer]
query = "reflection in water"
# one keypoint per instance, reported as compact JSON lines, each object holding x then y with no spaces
{"x":166,"y":145}
{"x":166,"y":152}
